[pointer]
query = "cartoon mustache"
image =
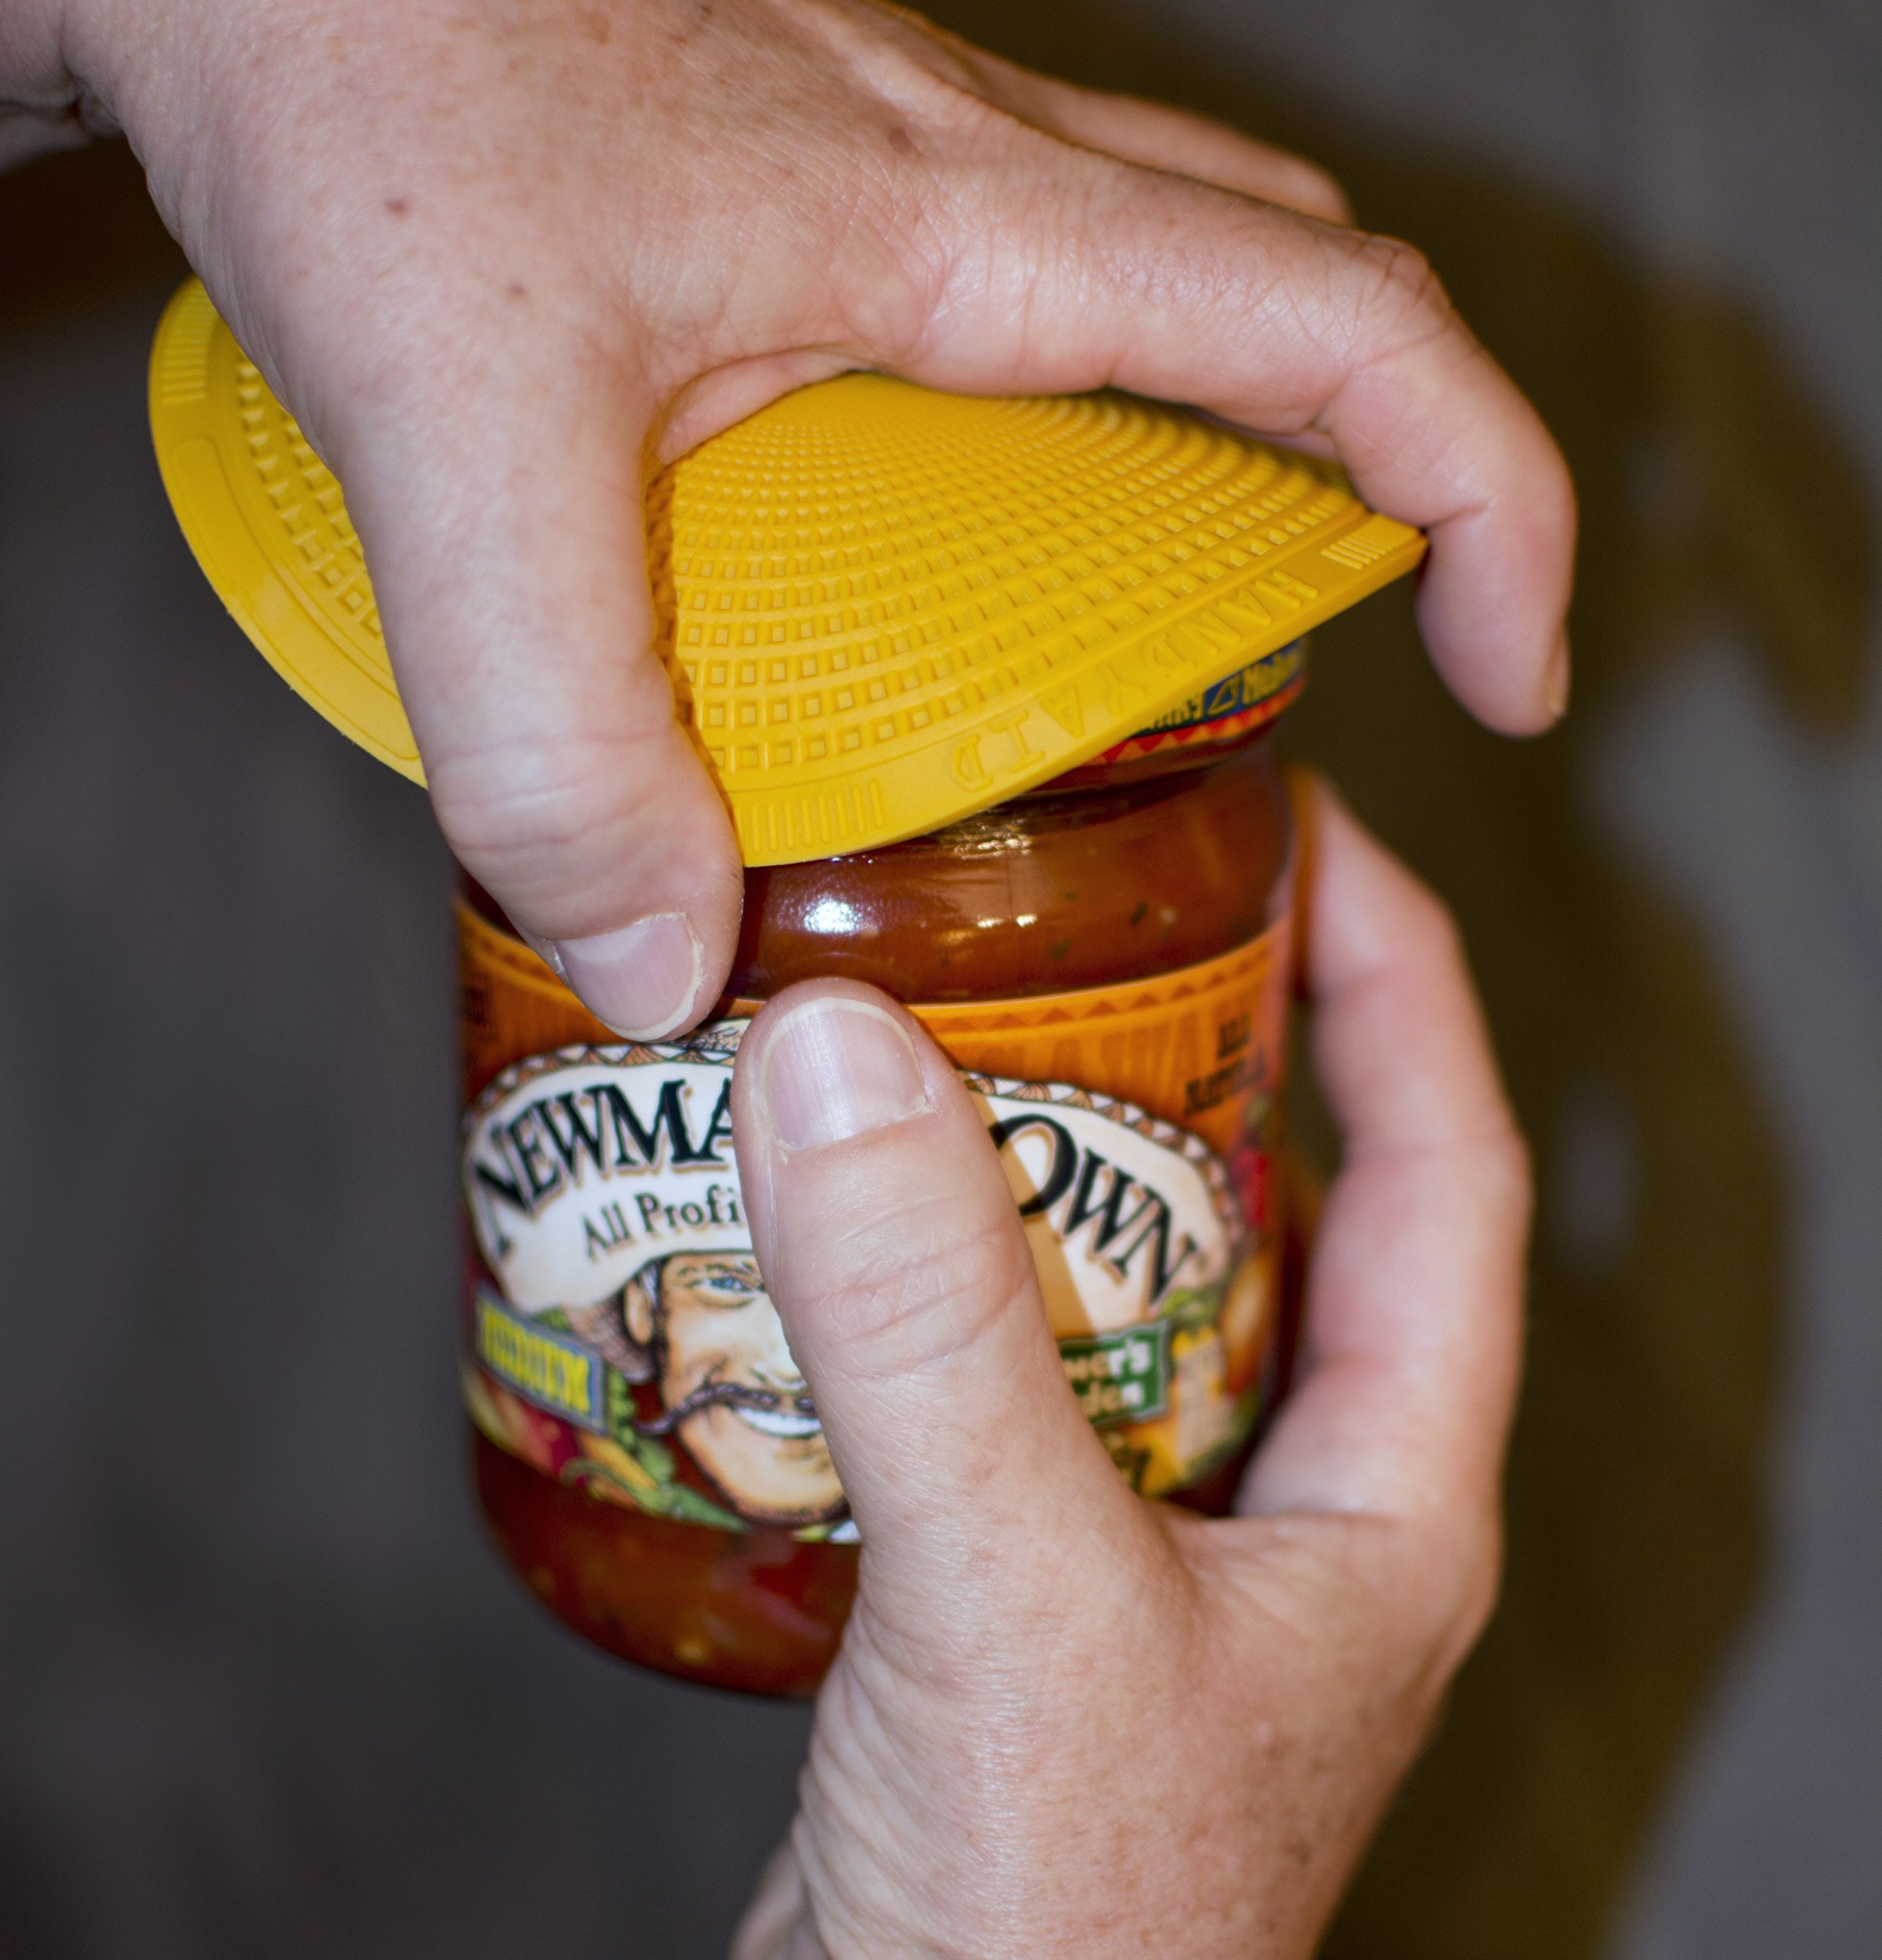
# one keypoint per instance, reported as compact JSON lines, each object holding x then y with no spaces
{"x":731,"y":1394}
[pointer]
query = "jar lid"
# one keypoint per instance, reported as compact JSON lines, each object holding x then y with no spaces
{"x":881,"y":608}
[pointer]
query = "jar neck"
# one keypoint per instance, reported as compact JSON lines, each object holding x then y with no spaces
{"x":1225,"y":720}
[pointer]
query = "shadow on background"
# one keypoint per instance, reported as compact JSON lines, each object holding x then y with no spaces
{"x":1656,"y":1349}
{"x":1657,"y":1309}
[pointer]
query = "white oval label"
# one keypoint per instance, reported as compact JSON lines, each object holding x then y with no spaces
{"x":604,"y":1195}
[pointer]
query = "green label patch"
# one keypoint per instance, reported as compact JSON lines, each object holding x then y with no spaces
{"x":550,"y":1370}
{"x":1122,"y":1377}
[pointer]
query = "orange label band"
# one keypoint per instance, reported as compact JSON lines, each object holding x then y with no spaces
{"x":1190,"y":1047}
{"x":619,"y":1332}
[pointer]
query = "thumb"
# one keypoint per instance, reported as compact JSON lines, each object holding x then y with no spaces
{"x":513,"y":582}
{"x":893,"y":1251}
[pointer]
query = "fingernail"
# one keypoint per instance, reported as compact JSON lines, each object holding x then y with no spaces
{"x":1555,"y":679}
{"x":836,"y":1069}
{"x":545,"y":951}
{"x":640,"y":978}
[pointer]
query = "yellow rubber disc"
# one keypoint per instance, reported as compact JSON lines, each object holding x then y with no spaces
{"x":881,"y":608}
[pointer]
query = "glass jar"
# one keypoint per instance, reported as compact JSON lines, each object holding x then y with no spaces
{"x":1108,"y":958}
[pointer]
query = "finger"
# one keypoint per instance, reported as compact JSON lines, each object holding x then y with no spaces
{"x":892,"y":1248}
{"x":1412,"y":1338}
{"x":1166,"y":139}
{"x":514,"y":589}
{"x":1097,"y":273}
{"x":1163,"y":138}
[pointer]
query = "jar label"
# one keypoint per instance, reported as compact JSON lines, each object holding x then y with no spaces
{"x":1229,"y":712}
{"x":619,"y":1333}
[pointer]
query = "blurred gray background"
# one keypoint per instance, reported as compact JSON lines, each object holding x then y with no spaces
{"x":263,"y":1690}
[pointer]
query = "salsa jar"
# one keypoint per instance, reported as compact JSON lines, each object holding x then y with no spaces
{"x":1107,"y":960}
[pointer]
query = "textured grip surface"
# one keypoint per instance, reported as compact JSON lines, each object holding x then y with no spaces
{"x":881,"y":608}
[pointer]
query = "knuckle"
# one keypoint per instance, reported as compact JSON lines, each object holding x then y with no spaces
{"x":907,"y":1290}
{"x":516,"y":809}
{"x":907,"y":67}
{"x":1443,"y":1588}
{"x":891,"y":276}
{"x":1413,"y":1598}
{"x":1429,"y":927}
{"x":1512,"y":1167}
{"x":1398,"y":299}
{"x":1495,"y":1160}
{"x":1460,"y":1611}
{"x":889,"y":234}
{"x":1405,"y":277}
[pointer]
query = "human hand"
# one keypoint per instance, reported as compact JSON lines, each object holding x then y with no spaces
{"x":539,"y":249}
{"x":1062,"y":1720}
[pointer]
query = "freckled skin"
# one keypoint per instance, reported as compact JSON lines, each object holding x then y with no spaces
{"x":710,"y":205}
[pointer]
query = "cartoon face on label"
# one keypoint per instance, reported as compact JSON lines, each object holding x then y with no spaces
{"x":603,"y":1192}
{"x":729,"y":1389}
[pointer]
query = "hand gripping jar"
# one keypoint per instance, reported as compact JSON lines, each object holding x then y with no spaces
{"x":990,"y":688}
